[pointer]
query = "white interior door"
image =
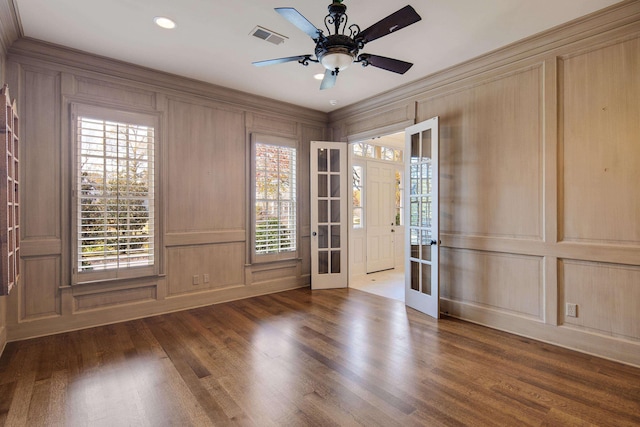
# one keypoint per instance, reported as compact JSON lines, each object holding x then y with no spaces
{"x":329,"y":214}
{"x":380,"y":216}
{"x":421,"y":217}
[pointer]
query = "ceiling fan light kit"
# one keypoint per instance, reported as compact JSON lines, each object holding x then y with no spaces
{"x":340,"y":46}
{"x":335,"y":59}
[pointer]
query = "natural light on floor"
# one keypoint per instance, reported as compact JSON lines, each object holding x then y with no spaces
{"x":388,"y":283}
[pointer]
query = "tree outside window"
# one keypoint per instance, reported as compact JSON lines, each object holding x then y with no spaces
{"x":358,"y":207}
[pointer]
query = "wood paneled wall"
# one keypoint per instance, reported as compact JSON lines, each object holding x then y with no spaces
{"x":203,"y":142}
{"x":539,"y":173}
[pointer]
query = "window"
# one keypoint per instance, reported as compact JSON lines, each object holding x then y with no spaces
{"x":357,"y":196}
{"x":275,"y":199}
{"x":387,"y":153}
{"x":399,"y":198}
{"x":115,"y":194}
{"x":362,"y":149}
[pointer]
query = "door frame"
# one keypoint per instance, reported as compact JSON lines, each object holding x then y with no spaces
{"x":365,"y":138}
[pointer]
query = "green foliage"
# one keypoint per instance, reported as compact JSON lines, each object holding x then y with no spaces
{"x":115,"y":216}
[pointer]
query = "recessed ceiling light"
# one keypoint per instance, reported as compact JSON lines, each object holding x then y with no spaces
{"x":318,"y":76}
{"x":164,"y":22}
{"x":333,"y":102}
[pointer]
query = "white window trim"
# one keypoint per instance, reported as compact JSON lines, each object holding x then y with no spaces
{"x":117,"y":115}
{"x":279,"y":141}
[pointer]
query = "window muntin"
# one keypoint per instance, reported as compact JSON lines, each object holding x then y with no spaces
{"x":275,"y":201}
{"x":115,"y":195}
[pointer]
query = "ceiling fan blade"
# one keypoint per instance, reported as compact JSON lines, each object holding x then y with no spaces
{"x":280,"y":60}
{"x":385,"y":63}
{"x":392,"y":23}
{"x":329,"y":80}
{"x":296,"y":18}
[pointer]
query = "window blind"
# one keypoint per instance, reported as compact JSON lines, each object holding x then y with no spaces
{"x":115,"y":201}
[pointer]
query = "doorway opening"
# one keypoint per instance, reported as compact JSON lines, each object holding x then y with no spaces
{"x":377,"y":233}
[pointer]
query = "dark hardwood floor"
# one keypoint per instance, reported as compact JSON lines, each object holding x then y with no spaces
{"x":335,"y":357}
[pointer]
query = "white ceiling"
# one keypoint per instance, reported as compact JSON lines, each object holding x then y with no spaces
{"x":212,"y":41}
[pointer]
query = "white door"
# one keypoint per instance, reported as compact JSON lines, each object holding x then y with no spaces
{"x":329,"y":214}
{"x":380,"y":213}
{"x":421,"y":217}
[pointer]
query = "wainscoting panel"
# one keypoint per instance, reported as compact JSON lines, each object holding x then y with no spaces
{"x":222,"y":263}
{"x":491,"y":151}
{"x":103,"y":300}
{"x":496,"y":281}
{"x":127,"y":95}
{"x":272,"y":124}
{"x":41,"y":155}
{"x":38,"y":290}
{"x":205,"y":160}
{"x":600,"y":148}
{"x":607,"y":297}
{"x":273,"y":273}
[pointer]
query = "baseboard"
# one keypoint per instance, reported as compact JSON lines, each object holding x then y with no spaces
{"x":604,"y":346}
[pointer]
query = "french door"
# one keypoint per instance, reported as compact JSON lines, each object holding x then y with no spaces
{"x":421,"y":217}
{"x":329,"y":214}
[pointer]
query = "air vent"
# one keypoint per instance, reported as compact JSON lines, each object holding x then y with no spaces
{"x":268,"y":35}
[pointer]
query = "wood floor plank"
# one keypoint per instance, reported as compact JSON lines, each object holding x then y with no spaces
{"x":302,"y":358}
{"x":176,"y":345}
{"x":7,"y":391}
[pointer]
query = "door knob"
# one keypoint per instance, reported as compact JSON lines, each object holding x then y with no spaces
{"x":433,"y":242}
{"x":314,"y":234}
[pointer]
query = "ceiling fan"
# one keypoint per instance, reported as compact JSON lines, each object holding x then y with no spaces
{"x":336,"y":50}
